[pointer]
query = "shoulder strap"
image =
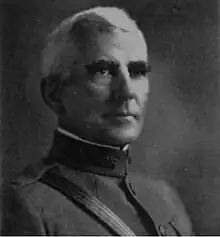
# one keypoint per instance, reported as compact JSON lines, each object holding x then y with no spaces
{"x":89,"y":203}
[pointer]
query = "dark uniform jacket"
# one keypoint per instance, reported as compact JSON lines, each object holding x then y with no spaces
{"x":146,"y":206}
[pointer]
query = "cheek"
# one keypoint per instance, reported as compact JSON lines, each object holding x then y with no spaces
{"x":70,"y":100}
{"x":98,"y":92}
{"x":141,"y":89}
{"x":86,"y":100}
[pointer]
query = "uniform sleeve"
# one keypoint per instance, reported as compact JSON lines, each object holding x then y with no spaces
{"x":19,"y":215}
{"x":181,"y":221}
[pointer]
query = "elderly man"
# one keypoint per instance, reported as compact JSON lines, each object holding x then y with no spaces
{"x":95,"y":78}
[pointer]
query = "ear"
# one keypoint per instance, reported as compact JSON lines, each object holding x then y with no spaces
{"x":51,"y":91}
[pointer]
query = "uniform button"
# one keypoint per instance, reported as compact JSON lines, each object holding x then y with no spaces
{"x":162,"y":230}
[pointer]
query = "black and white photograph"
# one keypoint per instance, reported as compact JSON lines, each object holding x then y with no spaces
{"x":109,"y":117}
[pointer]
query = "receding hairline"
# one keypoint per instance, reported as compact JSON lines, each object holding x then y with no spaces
{"x":65,"y":35}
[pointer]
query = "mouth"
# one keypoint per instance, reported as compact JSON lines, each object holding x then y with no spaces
{"x":122,"y":117}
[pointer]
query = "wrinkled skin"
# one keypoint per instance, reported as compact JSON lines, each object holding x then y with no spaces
{"x":99,"y":97}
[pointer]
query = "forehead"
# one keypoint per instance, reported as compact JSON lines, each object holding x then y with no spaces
{"x":118,"y":46}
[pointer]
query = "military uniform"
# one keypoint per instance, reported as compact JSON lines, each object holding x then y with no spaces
{"x":146,"y":206}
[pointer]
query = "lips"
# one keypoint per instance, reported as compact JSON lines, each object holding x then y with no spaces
{"x":122,"y":115}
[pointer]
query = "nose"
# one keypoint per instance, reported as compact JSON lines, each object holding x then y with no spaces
{"x":122,"y":89}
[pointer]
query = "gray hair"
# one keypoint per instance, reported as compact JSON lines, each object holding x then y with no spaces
{"x":76,"y":32}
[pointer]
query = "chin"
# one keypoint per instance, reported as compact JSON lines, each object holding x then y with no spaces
{"x":123,"y":136}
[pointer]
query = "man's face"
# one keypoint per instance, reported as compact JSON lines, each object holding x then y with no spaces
{"x":106,"y":97}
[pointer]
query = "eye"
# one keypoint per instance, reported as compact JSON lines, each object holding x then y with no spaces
{"x":101,"y":71}
{"x":138,"y":69}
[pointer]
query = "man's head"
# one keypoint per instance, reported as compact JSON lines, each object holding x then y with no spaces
{"x":95,"y":69}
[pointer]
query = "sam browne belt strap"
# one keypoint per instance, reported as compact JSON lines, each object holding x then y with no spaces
{"x":88,"y":203}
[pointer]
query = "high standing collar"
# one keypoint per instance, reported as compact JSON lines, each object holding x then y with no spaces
{"x":86,"y":156}
{"x":73,"y":136}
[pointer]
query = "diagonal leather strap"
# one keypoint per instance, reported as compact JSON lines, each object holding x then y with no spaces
{"x":87,"y":202}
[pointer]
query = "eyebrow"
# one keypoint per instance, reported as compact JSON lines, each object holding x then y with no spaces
{"x":101,"y":62}
{"x":139,"y":64}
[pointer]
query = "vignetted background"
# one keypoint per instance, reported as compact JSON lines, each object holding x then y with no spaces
{"x":181,"y":139}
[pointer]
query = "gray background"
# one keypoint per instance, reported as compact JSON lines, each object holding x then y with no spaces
{"x":180,"y":142}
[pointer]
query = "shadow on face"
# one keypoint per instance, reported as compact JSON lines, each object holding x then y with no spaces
{"x":106,"y":100}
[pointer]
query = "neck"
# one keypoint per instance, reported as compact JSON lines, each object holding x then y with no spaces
{"x":76,"y":137}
